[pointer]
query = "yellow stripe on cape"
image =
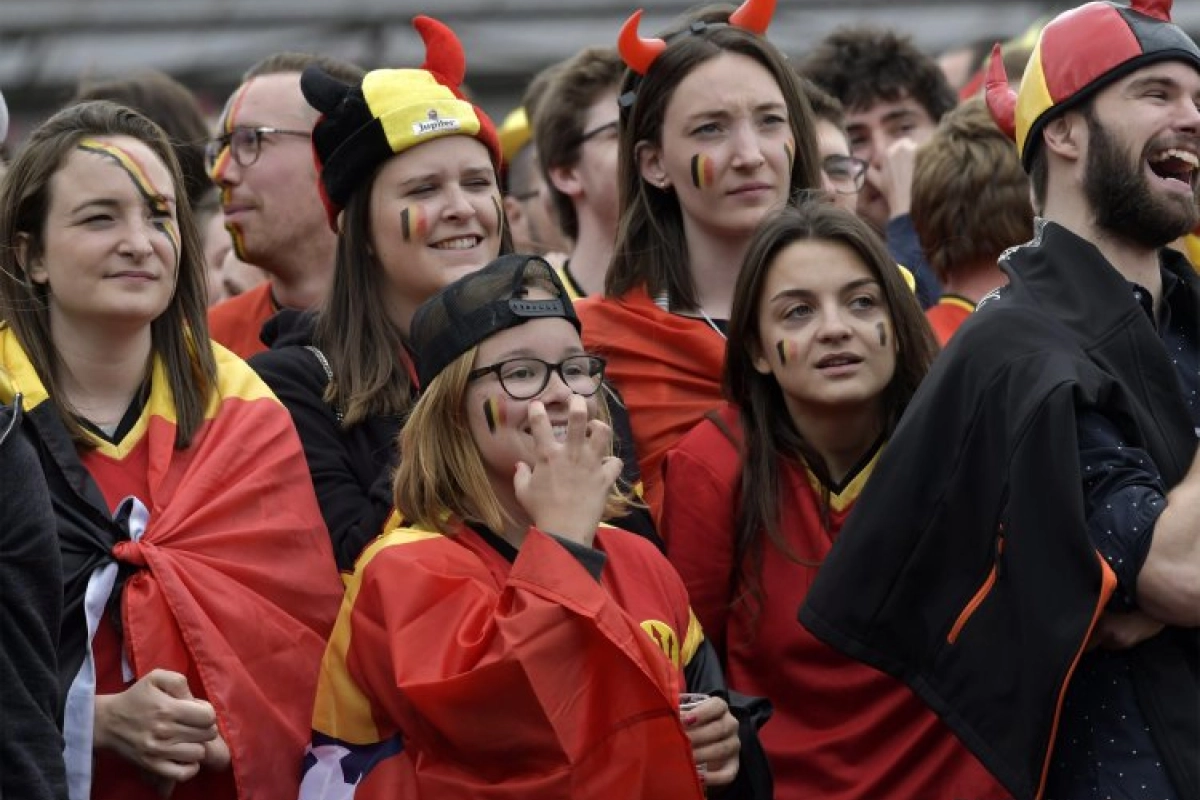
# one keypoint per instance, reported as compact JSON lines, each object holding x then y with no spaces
{"x":235,"y":381}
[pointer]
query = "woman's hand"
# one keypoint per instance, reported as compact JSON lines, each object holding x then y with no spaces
{"x":159,"y":726}
{"x":566,"y":488}
{"x":713,"y":733}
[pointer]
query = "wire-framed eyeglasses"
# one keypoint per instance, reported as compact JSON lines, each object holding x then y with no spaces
{"x":846,"y":173}
{"x":245,"y":144}
{"x":526,"y":378}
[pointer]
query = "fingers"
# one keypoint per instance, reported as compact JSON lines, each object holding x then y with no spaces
{"x":540,"y":428}
{"x":216,"y":754}
{"x":577,"y":424}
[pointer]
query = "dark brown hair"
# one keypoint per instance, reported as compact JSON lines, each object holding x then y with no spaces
{"x":970,"y":195}
{"x":862,"y":65}
{"x":769,"y":435}
{"x":179,"y":336}
{"x":651,"y":248}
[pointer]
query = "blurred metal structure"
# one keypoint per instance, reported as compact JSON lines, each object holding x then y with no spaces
{"x":47,"y":46}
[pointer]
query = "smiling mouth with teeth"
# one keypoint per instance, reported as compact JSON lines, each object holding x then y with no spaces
{"x":1176,"y":164}
{"x":458,"y":243}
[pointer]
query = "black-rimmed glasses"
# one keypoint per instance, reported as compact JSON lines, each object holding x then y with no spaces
{"x":245,"y":144}
{"x":526,"y":378}
{"x":597,"y":131}
{"x":846,"y":173}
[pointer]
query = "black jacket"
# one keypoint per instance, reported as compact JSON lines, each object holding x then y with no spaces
{"x":31,"y":762}
{"x":352,"y":468}
{"x":966,"y":568}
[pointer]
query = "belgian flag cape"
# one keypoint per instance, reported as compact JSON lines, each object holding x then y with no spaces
{"x":227,"y":576}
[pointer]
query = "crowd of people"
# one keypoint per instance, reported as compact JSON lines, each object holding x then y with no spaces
{"x":721,"y":424}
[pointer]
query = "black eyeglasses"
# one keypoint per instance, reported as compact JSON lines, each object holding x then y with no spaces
{"x":526,"y":378}
{"x":245,"y":144}
{"x":597,"y":131}
{"x":846,"y":173}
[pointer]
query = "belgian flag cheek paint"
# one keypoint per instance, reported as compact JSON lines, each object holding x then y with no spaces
{"x":702,"y":171}
{"x":789,"y":150}
{"x":494,"y":414}
{"x":413,"y":223}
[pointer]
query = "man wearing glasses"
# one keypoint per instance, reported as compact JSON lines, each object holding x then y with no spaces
{"x":262,"y":162}
{"x":576,"y":135}
{"x":842,"y":175}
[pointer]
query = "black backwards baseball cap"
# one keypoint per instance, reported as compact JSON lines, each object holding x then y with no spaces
{"x":482,"y":304}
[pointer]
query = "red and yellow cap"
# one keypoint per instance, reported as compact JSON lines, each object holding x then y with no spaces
{"x":391,"y":111}
{"x":1078,"y":53}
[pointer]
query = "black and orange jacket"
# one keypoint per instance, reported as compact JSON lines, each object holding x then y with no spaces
{"x":971,"y":575}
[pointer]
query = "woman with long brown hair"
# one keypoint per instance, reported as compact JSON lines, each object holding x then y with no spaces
{"x":826,"y":347}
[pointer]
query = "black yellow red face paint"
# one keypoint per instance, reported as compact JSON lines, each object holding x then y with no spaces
{"x":786,"y":351}
{"x":493,"y":413}
{"x":882,"y":329}
{"x":414,"y":223}
{"x":789,"y":150}
{"x":702,"y":171}
{"x":156,"y":201}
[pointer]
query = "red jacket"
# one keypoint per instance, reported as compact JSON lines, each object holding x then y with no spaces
{"x":237,"y":322}
{"x":453,"y":673}
{"x":667,"y":367}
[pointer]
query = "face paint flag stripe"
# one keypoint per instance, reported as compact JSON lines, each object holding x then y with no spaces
{"x":141,"y":181}
{"x":702,"y":171}
{"x":493,"y":413}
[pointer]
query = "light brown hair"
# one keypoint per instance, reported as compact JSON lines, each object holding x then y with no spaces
{"x":970,"y":196}
{"x":562,"y":113}
{"x":441,"y":478}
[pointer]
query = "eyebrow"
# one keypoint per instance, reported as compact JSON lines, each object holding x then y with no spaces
{"x":1152,"y":81}
{"x":770,"y":105}
{"x":525,"y":352}
{"x":799,"y":292}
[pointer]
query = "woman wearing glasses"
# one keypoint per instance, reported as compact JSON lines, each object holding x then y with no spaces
{"x":408,"y":176}
{"x":715,"y":134}
{"x":505,"y":644}
{"x":186,"y":654}
{"x":826,"y":347}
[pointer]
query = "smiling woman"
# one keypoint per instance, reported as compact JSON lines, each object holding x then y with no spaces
{"x":503,"y":643}
{"x":408,"y":178}
{"x":176,"y":479}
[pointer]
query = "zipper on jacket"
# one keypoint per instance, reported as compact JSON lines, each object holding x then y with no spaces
{"x":980,"y":594}
{"x":1108,"y":584}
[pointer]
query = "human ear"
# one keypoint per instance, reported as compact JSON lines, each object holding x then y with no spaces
{"x":1064,"y":135}
{"x":35,"y":269}
{"x":565,"y":180}
{"x":757,"y":357}
{"x":650,"y":164}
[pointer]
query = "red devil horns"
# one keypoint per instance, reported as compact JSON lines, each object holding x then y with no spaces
{"x":1001,"y":99}
{"x":637,"y":53}
{"x":1159,"y":9}
{"x":754,"y":15}
{"x":444,"y":55}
